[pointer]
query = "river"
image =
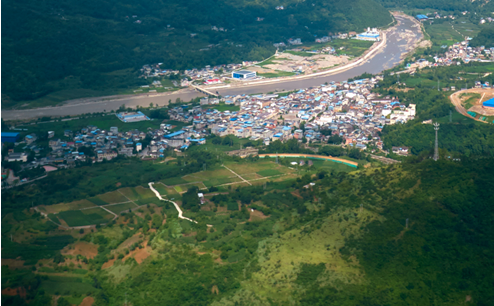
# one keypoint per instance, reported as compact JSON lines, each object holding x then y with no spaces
{"x":400,"y":40}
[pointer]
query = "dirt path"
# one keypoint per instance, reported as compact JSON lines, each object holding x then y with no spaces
{"x":237,"y":175}
{"x":180,"y":213}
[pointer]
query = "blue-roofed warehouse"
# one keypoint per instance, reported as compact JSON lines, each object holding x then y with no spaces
{"x":486,"y":104}
{"x":174,"y":134}
{"x":10,"y":137}
{"x":421,"y":17}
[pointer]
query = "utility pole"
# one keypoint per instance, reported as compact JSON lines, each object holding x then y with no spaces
{"x":438,"y":85}
{"x":450,"y":116}
{"x":406,"y":226}
{"x":276,"y":157}
{"x":436,"y":146}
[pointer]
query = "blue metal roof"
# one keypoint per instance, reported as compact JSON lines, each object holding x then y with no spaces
{"x":174,"y":134}
{"x":489,"y":103}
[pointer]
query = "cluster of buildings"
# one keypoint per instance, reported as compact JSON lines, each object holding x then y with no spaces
{"x":436,"y":15}
{"x":455,"y":55}
{"x":347,"y":109}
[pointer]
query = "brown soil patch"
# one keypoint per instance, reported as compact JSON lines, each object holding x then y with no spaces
{"x":139,"y":254}
{"x":296,"y":194}
{"x":215,"y":290}
{"x":257,"y":215}
{"x":222,"y":209}
{"x":88,"y":301}
{"x":13,"y":263}
{"x":20,"y":291}
{"x":118,"y":184}
{"x":85,"y":249}
{"x":190,"y":234}
{"x":468,"y":298}
{"x":127,"y":243}
{"x":108,"y":264}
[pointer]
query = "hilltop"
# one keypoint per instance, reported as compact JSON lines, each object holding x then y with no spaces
{"x":90,"y":48}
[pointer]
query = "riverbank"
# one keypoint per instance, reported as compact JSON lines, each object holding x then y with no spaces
{"x":374,"y":62}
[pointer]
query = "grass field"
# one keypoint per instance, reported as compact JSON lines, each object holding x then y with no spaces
{"x":66,"y":206}
{"x":268,"y":172}
{"x":222,"y":107}
{"x":113,"y":197}
{"x":276,"y":74}
{"x":118,"y":208}
{"x":96,"y":200}
{"x":102,"y":122}
{"x":85,"y":217}
{"x":144,"y":193}
{"x":130,"y":193}
{"x":160,"y":188}
{"x":174,"y":181}
{"x":178,"y":189}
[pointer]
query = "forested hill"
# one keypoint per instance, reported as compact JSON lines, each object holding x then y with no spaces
{"x":484,"y":38}
{"x":54,"y":45}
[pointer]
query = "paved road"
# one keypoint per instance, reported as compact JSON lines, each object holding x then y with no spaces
{"x":400,"y":40}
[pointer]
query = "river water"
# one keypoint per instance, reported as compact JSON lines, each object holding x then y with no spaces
{"x":399,"y":42}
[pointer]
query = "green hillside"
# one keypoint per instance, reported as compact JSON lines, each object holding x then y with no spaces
{"x":79,"y":48}
{"x":484,"y":38}
{"x":413,"y":233}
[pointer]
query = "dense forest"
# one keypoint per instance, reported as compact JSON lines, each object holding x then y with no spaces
{"x":52,"y":45}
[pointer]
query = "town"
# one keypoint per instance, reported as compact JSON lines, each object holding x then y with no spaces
{"x":348,"y":110}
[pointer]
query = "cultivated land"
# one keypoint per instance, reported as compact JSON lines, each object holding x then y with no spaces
{"x":105,"y":207}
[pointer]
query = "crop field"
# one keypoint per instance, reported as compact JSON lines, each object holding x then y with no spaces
{"x":178,"y":189}
{"x":130,"y":193}
{"x":97,"y":201}
{"x":85,"y":217}
{"x":118,"y":208}
{"x":113,"y":197}
{"x":160,"y":188}
{"x":144,"y":192}
{"x":174,"y":181}
{"x":51,"y":209}
{"x":268,"y":172}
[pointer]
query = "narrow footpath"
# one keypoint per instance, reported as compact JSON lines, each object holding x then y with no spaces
{"x":180,"y":213}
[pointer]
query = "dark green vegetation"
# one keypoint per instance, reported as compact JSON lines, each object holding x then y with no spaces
{"x":461,"y":136}
{"x":344,"y":241}
{"x":484,"y":38}
{"x":94,"y":47}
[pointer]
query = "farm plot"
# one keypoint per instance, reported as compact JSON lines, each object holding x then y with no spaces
{"x":174,"y":181}
{"x":97,"y":201}
{"x":118,"y":208}
{"x":268,"y":172}
{"x":130,"y":193}
{"x":113,"y":197}
{"x":160,"y":188}
{"x":84,"y":217}
{"x":52,"y":209}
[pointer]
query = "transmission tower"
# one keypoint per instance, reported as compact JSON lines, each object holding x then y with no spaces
{"x":436,"y":147}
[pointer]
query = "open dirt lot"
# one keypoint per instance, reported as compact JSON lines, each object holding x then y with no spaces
{"x":290,"y":62}
{"x":477,"y":107}
{"x":83,"y":248}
